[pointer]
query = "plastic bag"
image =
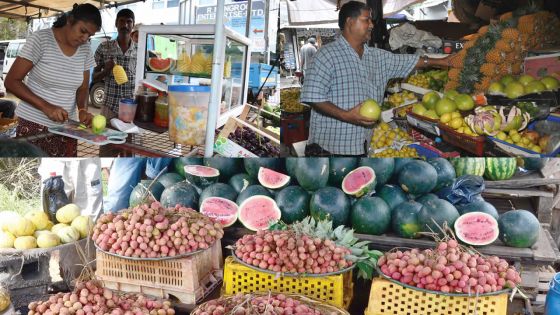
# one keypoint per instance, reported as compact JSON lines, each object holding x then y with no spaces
{"x":408,"y":35}
{"x":465,"y":189}
{"x":54,"y":196}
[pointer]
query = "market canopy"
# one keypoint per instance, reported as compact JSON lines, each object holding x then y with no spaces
{"x":303,"y":13}
{"x":24,"y":9}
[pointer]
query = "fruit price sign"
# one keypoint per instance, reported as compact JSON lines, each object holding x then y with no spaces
{"x":228,"y":148}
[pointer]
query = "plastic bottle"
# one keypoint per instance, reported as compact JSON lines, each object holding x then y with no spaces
{"x":161,"y":117}
{"x":54,"y":196}
{"x":552,"y":304}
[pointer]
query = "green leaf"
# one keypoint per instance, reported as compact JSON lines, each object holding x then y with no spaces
{"x":362,"y":243}
{"x":374,"y":254}
{"x":365,"y":270}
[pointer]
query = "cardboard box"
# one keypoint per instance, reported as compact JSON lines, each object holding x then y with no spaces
{"x":540,"y":66}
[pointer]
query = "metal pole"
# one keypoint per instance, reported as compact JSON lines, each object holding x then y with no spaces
{"x":217,"y":74}
{"x":248,"y":22}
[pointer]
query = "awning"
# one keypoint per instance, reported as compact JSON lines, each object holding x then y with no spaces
{"x":304,"y":13}
{"x":24,"y":9}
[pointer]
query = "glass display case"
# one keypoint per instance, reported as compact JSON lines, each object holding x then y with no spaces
{"x":183,"y":54}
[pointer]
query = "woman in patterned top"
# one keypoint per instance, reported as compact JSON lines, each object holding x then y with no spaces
{"x":56,"y":62}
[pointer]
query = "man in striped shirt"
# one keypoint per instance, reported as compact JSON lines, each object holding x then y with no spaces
{"x":341,"y":76}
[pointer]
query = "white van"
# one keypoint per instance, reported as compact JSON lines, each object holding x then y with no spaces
{"x":11,"y":53}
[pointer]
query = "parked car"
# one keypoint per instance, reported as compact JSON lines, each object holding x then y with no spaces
{"x":14,"y":46}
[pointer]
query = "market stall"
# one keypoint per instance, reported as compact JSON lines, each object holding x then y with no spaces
{"x":215,"y":232}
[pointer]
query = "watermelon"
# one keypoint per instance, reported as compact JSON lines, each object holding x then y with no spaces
{"x":293,"y":202}
{"x":425,"y":198}
{"x":250,"y":191}
{"x":404,"y":219}
{"x":272,"y":179}
{"x":227,"y":166}
{"x":468,"y":166}
{"x":383,"y":168}
{"x":140,"y":191}
{"x":400,"y":163}
{"x":19,"y":148}
{"x":359,"y":182}
{"x":519,"y":228}
{"x":478,"y":206}
{"x":160,"y":64}
{"x":392,"y":195}
{"x":312,"y":173}
{"x":370,"y":215}
{"x":221,"y":210}
{"x":338,"y":168}
{"x":201,"y":176}
{"x":179,"y":164}
{"x":218,"y":190}
{"x":445,"y":172}
{"x":533,"y":164}
{"x":440,"y":211}
{"x":291,"y":166}
{"x":168,"y":179}
{"x":330,"y":203}
{"x":182,"y":193}
{"x":252,"y":165}
{"x":241,"y":181}
{"x":418,"y":177}
{"x":500,"y":168}
{"x":258,"y":213}
{"x":476,"y":228}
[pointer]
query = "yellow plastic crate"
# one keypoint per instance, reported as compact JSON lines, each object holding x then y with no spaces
{"x":336,"y":290}
{"x":389,"y":298}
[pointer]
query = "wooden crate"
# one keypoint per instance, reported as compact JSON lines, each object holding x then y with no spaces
{"x":187,"y":279}
{"x":536,"y":283}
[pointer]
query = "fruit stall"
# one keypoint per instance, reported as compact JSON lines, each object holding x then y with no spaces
{"x":500,"y":97}
{"x":245,"y":235}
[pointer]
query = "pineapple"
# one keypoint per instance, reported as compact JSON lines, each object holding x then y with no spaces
{"x":506,"y":16}
{"x":510,"y":33}
{"x":227,"y":68}
{"x":516,"y":68}
{"x":526,"y":23}
{"x":183,"y":63}
{"x":482,"y":30}
{"x":451,"y":85}
{"x":511,"y":57}
{"x":120,"y":74}
{"x":504,"y":68}
{"x":488,"y":69}
{"x":456,"y":60}
{"x":494,"y":56}
{"x":208,"y":65}
{"x":454,"y":74}
{"x":469,"y":44}
{"x":504,"y":45}
{"x":198,"y":63}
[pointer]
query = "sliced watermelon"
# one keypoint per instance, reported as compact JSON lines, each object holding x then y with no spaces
{"x":259,"y":212}
{"x":160,"y":64}
{"x":201,"y":176}
{"x":359,"y":182}
{"x":220,"y":210}
{"x":476,"y":228}
{"x":272,"y":179}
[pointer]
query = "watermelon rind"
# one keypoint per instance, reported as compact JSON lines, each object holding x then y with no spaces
{"x":339,"y":167}
{"x":435,"y":214}
{"x":370,"y":215}
{"x":227,"y":166}
{"x":140,"y":191}
{"x":445,"y":172}
{"x":383,"y":168}
{"x":180,"y":163}
{"x":500,"y":168}
{"x":264,"y":178}
{"x":392,"y":194}
{"x":468,"y":166}
{"x":194,"y":175}
{"x":169,"y":179}
{"x":481,"y":220}
{"x":363,"y":189}
{"x":223,"y":219}
{"x":478,"y":206}
{"x":182,"y":193}
{"x":258,"y":219}
{"x":418,"y":177}
{"x":404,"y":219}
{"x":312,"y":173}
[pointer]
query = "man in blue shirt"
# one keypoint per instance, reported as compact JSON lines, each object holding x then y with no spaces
{"x":341,"y":76}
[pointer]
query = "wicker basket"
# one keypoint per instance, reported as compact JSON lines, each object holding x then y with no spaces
{"x":324,"y":308}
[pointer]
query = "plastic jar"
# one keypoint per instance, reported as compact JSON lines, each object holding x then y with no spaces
{"x":188,"y":112}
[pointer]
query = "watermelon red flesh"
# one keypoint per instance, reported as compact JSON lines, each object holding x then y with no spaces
{"x":201,"y":176}
{"x":259,"y":212}
{"x":359,"y":182}
{"x":159,"y":64}
{"x":272,"y":179}
{"x":476,"y":228}
{"x":220,"y":210}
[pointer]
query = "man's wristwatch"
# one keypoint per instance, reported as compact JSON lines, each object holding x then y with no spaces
{"x":425,"y":58}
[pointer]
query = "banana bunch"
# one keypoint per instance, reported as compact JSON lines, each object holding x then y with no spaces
{"x":120,"y":74}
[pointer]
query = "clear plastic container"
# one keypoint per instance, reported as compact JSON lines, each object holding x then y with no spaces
{"x":161,"y":117}
{"x":127,"y":109}
{"x":188,"y":112}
